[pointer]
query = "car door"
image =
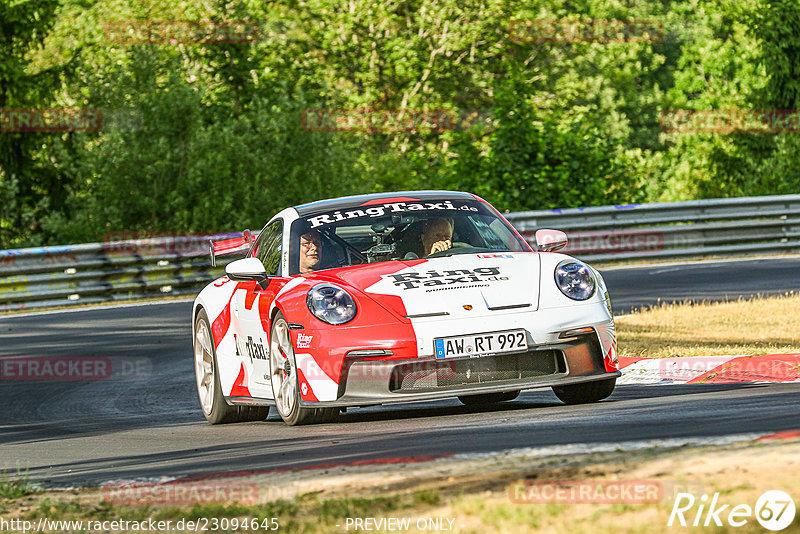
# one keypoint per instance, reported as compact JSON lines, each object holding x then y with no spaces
{"x":251,"y":305}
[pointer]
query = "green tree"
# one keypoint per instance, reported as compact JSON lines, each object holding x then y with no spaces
{"x":29,"y":184}
{"x":766,"y":163}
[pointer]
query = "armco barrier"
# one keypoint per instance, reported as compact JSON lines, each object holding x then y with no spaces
{"x":133,"y":268}
{"x":98,"y":272}
{"x":715,"y":227}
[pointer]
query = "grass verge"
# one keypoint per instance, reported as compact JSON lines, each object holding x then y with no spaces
{"x":762,"y":325}
{"x":495,"y":501}
{"x":14,"y":488}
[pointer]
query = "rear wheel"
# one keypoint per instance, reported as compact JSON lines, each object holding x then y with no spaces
{"x":209,"y":391}
{"x":586,"y":392}
{"x":284,"y":378}
{"x":488,"y":398}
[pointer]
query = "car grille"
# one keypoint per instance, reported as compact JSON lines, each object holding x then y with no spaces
{"x":433,"y":375}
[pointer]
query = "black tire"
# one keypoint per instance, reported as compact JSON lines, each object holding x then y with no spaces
{"x":488,"y":398}
{"x":222,"y":412}
{"x":296,"y":414}
{"x":326,"y":415}
{"x":585,"y":392}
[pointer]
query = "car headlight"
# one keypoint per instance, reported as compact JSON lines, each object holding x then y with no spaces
{"x":331,"y":304}
{"x":575,"y":280}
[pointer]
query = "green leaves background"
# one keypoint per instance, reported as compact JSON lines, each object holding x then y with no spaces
{"x":208,"y":137}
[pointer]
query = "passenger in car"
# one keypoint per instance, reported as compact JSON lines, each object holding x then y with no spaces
{"x":310,"y":251}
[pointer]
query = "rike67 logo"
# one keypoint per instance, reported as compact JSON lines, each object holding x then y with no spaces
{"x":774,"y":510}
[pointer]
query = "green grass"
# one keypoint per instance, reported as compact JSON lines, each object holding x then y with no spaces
{"x":49,"y":507}
{"x":430,"y":498}
{"x":357,"y":506}
{"x":16,"y":487}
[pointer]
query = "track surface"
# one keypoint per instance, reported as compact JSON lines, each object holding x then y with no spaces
{"x":149,"y":424}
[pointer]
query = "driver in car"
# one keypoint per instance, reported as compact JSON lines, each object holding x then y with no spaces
{"x":437,"y":235}
{"x":310,"y":251}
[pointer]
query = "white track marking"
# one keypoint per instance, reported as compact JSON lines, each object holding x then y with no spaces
{"x":678,"y":370}
{"x":632,"y":445}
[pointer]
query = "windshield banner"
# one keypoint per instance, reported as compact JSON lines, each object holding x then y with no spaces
{"x":378,"y":211}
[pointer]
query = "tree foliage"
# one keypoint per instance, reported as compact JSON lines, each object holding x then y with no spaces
{"x":210,"y":136}
{"x":30,"y":186}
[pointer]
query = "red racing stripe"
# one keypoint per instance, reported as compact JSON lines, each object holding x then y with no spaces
{"x":240,"y":388}
{"x":221,"y":324}
{"x":305,"y":392}
{"x":389,"y":201}
{"x":788,"y":434}
{"x":625,"y":361}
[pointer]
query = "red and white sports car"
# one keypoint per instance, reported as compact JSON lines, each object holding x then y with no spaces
{"x":397,"y":297}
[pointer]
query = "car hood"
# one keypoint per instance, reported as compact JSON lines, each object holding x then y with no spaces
{"x":463,"y":284}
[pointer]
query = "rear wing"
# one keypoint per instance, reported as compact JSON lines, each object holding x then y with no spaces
{"x":229,"y":246}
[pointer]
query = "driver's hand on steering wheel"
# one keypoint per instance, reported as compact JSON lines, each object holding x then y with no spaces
{"x":441,"y":246}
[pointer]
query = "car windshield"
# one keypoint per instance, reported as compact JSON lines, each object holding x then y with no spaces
{"x":379,"y":232}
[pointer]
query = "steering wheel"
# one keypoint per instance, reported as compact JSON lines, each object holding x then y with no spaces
{"x":456,"y":244}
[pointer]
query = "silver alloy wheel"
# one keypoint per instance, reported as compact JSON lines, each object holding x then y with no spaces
{"x":204,"y":367}
{"x":282,"y":371}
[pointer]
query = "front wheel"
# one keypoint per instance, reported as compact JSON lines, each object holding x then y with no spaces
{"x":284,"y":379}
{"x":586,"y":392}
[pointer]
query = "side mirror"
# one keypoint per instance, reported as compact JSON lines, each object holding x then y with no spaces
{"x":550,"y":240}
{"x":247,"y":269}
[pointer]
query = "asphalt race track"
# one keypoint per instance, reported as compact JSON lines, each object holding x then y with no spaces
{"x":632,"y":287}
{"x":145,"y":420}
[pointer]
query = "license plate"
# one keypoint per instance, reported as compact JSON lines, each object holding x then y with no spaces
{"x":481,"y":344}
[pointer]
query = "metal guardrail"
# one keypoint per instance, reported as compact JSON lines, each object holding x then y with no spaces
{"x":135,"y":268}
{"x":715,"y":227}
{"x":99,"y":272}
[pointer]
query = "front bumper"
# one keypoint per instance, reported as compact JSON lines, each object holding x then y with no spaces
{"x":371,"y":382}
